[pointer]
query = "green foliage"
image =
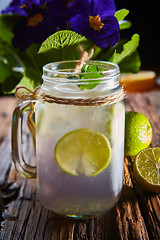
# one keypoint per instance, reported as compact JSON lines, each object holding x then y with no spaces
{"x":7,"y":23}
{"x":128,"y":49}
{"x":11,"y":67}
{"x":63,"y":45}
{"x":120,"y":15}
{"x":15,"y":65}
{"x":131,"y":63}
{"x":127,"y":58}
{"x":25,"y":68}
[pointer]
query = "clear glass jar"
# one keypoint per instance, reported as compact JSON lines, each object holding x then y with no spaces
{"x":71,"y":104}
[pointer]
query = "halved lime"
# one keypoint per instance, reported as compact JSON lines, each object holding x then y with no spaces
{"x":147,"y":169}
{"x":83,"y":151}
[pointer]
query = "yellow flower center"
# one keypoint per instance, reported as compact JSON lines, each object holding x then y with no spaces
{"x":95,"y":22}
{"x":69,"y":1}
{"x":33,"y":21}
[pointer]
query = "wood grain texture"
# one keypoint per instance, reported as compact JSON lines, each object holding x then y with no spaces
{"x":135,"y":216}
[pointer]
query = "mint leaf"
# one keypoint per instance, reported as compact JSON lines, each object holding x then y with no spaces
{"x":62,"y":45}
{"x":128,"y":49}
{"x":91,"y":72}
{"x":121,"y":14}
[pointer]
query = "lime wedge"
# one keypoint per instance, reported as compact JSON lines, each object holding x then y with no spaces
{"x":147,"y":169}
{"x":83,"y":151}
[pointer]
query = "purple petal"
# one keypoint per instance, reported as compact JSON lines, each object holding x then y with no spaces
{"x":110,"y":22}
{"x":81,"y":7}
{"x":107,"y":41}
{"x":104,"y":8}
{"x":79,"y":24}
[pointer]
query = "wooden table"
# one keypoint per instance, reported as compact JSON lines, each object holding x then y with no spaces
{"x":135,"y":216}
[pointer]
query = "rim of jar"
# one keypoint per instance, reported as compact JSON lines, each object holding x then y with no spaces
{"x":63,"y":69}
{"x":64,"y":72}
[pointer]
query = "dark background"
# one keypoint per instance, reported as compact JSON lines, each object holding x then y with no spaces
{"x":145,"y":18}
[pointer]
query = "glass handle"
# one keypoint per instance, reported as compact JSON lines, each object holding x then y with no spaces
{"x":22,"y":167}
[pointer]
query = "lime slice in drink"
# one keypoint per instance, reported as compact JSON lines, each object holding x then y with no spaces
{"x":147,"y":169}
{"x":83,"y":151}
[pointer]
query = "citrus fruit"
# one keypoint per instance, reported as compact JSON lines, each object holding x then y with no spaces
{"x":83,"y":151}
{"x":138,"y":133}
{"x":147,"y":169}
{"x":141,"y":81}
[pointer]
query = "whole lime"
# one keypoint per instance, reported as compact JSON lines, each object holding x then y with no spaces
{"x":138,"y":133}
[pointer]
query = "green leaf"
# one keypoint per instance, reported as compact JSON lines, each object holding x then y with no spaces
{"x":106,"y":54}
{"x":25,"y":81}
{"x":131,"y":63}
{"x":62,"y":45}
{"x":4,"y":71}
{"x":124,"y":24}
{"x":128,"y":49}
{"x":91,"y":72}
{"x":121,"y":14}
{"x":15,"y":64}
{"x":7,"y":23}
{"x":11,"y":67}
{"x":10,"y":56}
{"x":9,"y":84}
{"x":32,"y":70}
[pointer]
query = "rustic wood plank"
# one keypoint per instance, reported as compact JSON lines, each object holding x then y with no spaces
{"x":135,"y":216}
{"x":149,"y":202}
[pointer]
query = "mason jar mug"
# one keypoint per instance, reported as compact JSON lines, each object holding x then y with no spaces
{"x":79,"y":138}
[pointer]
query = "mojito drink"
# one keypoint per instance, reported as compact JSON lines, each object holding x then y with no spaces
{"x":89,"y":182}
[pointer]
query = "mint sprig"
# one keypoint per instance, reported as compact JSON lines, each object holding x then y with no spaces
{"x":90,"y":72}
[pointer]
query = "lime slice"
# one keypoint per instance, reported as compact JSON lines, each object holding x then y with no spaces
{"x":147,"y":169}
{"x":83,"y":151}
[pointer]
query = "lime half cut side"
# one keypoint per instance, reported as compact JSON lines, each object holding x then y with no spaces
{"x":83,"y":151}
{"x":147,"y":169}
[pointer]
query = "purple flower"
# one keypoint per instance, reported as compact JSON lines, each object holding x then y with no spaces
{"x":32,"y":29}
{"x":91,"y":18}
{"x":41,"y":19}
{"x":22,"y":6}
{"x":95,"y":20}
